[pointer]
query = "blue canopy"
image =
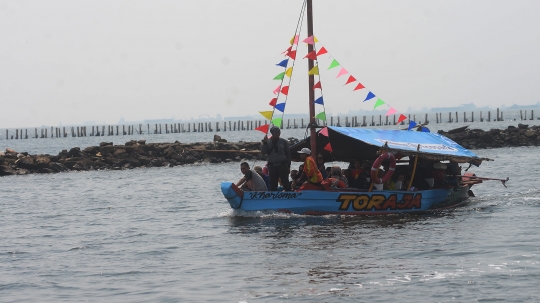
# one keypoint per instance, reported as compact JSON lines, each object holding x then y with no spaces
{"x":363,"y":143}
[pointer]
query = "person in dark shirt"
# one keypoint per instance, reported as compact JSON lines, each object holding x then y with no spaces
{"x":279,"y":159}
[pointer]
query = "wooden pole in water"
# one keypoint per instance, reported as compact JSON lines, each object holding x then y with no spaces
{"x":489,"y":116}
{"x":457,"y":120}
{"x":498,"y":114}
{"x":414,"y":168}
{"x":520,"y":115}
{"x":532,"y":114}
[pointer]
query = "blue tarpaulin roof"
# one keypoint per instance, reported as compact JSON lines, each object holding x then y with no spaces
{"x":350,"y":144}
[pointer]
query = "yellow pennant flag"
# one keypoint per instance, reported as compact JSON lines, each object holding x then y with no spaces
{"x":314,"y":70}
{"x":289,"y":72}
{"x":267,"y":114}
{"x":315,"y":39}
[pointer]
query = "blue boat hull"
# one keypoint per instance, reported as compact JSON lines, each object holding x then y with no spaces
{"x":313,"y":202}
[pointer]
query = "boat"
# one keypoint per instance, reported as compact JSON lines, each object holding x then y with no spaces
{"x":348,"y":144}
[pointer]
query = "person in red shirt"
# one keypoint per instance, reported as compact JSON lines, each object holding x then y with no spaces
{"x":314,"y":176}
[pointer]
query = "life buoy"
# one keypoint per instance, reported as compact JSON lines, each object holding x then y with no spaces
{"x":375,"y":168}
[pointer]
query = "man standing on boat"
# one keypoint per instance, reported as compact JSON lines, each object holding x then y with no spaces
{"x":279,"y":159}
{"x":314,"y":176}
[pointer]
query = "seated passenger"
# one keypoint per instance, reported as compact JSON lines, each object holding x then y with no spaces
{"x":320,"y":166}
{"x":335,"y":180}
{"x":313,"y":175}
{"x":251,"y":180}
{"x":362,"y":176}
{"x":265,"y":177}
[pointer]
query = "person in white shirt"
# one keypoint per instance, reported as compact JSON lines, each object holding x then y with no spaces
{"x":251,"y":181}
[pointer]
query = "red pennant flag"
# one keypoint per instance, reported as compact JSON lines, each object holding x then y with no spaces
{"x":285,"y":90}
{"x":292,"y":54}
{"x":288,"y":50}
{"x":324,"y":132}
{"x":318,"y":85}
{"x":350,"y":80}
{"x":402,"y":117}
{"x":322,"y":51}
{"x":311,"y":56}
{"x":273,"y":102}
{"x":359,"y":86}
{"x":263,"y":128}
{"x":328,"y":147}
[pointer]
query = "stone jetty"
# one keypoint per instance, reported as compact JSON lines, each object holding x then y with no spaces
{"x":132,"y":154}
{"x":135,"y":154}
{"x":522,"y":135}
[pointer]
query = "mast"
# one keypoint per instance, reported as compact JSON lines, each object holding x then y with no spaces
{"x":312,"y":124}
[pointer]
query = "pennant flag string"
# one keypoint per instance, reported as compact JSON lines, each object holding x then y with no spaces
{"x":328,"y":147}
{"x":312,"y":56}
{"x":319,"y":100}
{"x":283,"y":63}
{"x":402,"y":117}
{"x":322,"y":51}
{"x":273,"y":102}
{"x":342,"y":72}
{"x":289,"y":72}
{"x":263,"y":128}
{"x":333,"y":64}
{"x":359,"y":86}
{"x":369,"y":96}
{"x":324,"y":131}
{"x":317,"y":85}
{"x":321,"y":116}
{"x":378,"y":103}
{"x":350,"y":80}
{"x":391,"y":111}
{"x":314,"y":70}
{"x":280,"y":76}
{"x":280,"y":107}
{"x":277,"y":121}
{"x":267,"y":114}
{"x":309,"y":40}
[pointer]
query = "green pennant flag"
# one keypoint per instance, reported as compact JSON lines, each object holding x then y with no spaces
{"x":321,"y":116}
{"x":280,"y":76}
{"x":277,"y":122}
{"x":333,"y":64}
{"x":378,"y":103}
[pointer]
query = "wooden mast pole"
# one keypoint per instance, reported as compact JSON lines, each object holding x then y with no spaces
{"x":312,"y":126}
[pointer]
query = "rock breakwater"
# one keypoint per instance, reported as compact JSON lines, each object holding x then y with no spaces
{"x":522,"y":135}
{"x":132,"y":154}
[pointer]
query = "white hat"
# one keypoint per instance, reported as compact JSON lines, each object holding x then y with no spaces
{"x":305,"y":150}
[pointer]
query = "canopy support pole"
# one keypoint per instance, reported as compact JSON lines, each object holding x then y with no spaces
{"x":414,"y":169}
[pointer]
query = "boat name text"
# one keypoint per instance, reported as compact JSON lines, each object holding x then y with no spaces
{"x":378,"y":202}
{"x":278,"y":195}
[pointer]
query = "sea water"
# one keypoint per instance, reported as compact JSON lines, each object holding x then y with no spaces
{"x":168,"y":235}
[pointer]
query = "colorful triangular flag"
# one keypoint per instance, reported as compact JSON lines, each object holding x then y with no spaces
{"x":322,"y":51}
{"x":321,"y":116}
{"x":277,"y":121}
{"x":285,"y":90}
{"x":333,"y":64}
{"x":317,"y":85}
{"x":292,"y":54}
{"x":319,"y":100}
{"x":280,"y":76}
{"x":378,"y":103}
{"x":425,"y":129}
{"x":283,"y":63}
{"x":289,"y":72}
{"x":311,"y":56}
{"x":350,"y":80}
{"x":342,"y":72}
{"x":402,"y":117}
{"x":369,"y":96}
{"x":324,"y":131}
{"x":277,"y":90}
{"x":412,"y":124}
{"x":267,"y":114}
{"x":391,"y":111}
{"x":280,"y":107}
{"x":309,"y":40}
{"x":263,"y":128}
{"x":294,"y":40}
{"x":328,"y":147}
{"x":358,"y":86}
{"x":287,"y":50}
{"x":273,"y":102}
{"x":314,"y":70}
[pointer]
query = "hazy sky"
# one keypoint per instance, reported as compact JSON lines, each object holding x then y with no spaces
{"x":75,"y":61}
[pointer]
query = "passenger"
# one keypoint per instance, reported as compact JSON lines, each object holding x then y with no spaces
{"x":251,"y":180}
{"x":314,"y":176}
{"x":328,"y":171}
{"x":348,"y":176}
{"x":400,"y":183}
{"x":320,"y":166}
{"x":279,"y":158}
{"x":259,"y":170}
{"x":361,"y":175}
{"x":335,"y":180}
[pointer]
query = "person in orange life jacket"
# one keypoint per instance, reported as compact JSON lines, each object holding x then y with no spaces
{"x":279,"y":159}
{"x":314,"y":176}
{"x":335,"y":180}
